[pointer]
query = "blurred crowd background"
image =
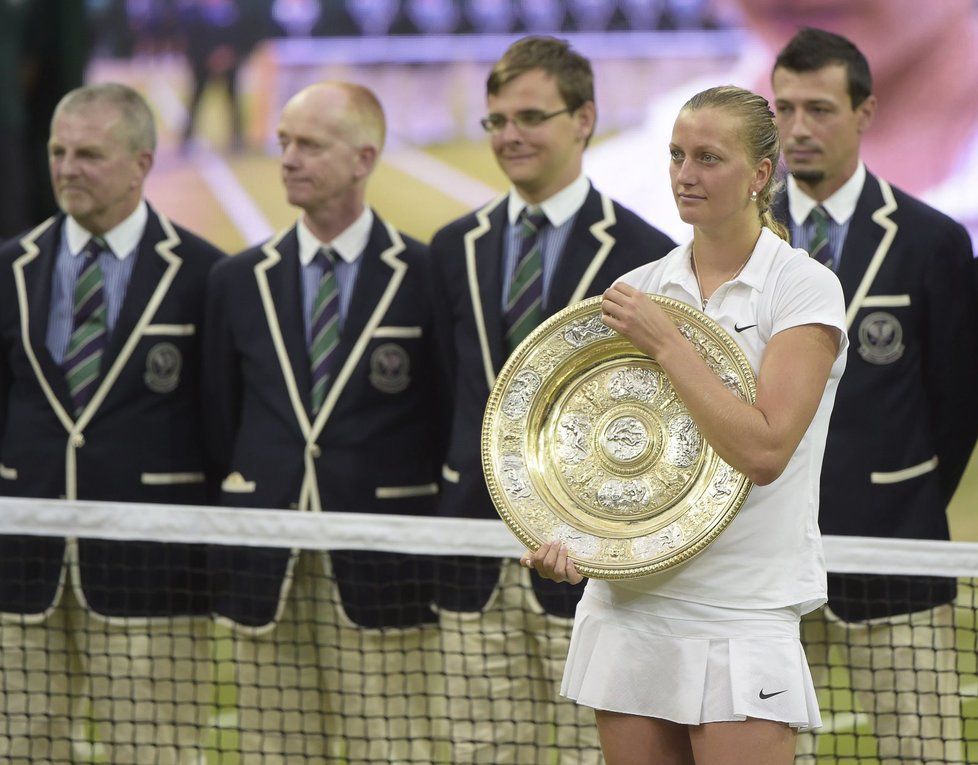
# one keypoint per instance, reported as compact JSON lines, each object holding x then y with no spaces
{"x":217,"y":71}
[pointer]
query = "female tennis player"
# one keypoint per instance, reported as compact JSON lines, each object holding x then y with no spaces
{"x":703,"y":663}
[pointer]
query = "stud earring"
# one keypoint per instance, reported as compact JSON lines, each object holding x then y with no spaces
{"x":753,"y":196}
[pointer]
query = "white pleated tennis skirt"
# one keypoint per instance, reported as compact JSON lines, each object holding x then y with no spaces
{"x":690,"y":663}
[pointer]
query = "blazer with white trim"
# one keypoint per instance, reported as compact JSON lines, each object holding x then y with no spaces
{"x":138,"y":440}
{"x":607,"y":241}
{"x":373,"y":447}
{"x":906,"y":414}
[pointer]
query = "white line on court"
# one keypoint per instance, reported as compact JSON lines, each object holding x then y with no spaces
{"x":440,"y":175}
{"x":169,"y":106}
{"x":236,"y":202}
{"x":246,"y":216}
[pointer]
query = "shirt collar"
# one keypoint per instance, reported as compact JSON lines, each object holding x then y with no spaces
{"x":351,"y":242}
{"x":840,"y":206}
{"x":558,"y":208}
{"x":122,"y":239}
{"x":679,"y":270}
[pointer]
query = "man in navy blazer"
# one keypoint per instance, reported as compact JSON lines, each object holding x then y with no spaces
{"x":323,"y":389}
{"x":541,"y":116}
{"x":128,"y":429}
{"x":906,"y":416}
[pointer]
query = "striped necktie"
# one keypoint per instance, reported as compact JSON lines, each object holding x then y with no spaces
{"x":820,"y":248}
{"x":325,"y":328}
{"x":524,"y":304}
{"x":89,"y":333}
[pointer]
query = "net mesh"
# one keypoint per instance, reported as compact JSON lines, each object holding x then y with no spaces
{"x":312,"y":639}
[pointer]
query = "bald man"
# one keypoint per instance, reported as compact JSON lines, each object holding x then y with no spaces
{"x":323,"y":388}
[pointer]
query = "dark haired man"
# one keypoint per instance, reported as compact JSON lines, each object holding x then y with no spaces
{"x":551,"y":241}
{"x":905,"y":417}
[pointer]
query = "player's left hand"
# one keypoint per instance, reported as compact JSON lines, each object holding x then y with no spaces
{"x":551,"y":562}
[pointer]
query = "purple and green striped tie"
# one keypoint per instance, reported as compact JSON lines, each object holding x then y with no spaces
{"x":524,"y":308}
{"x":90,"y":329}
{"x":325,"y":328}
{"x":820,"y":247}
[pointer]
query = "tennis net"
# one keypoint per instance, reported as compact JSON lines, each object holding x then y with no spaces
{"x":171,"y":634}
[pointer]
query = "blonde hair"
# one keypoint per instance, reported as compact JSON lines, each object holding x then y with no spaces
{"x":759,"y":136}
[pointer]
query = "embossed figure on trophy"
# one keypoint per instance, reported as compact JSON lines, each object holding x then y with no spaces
{"x":684,"y":441}
{"x":573,"y":438}
{"x":720,"y":485}
{"x":624,"y":497}
{"x":584,"y":332}
{"x":520,"y":394}
{"x":625,"y":438}
{"x":636,"y":383}
{"x":516,"y":480}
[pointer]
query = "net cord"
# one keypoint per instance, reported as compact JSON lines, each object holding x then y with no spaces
{"x":396,"y":533}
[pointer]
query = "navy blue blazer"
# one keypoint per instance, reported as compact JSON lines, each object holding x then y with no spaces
{"x":606,"y":241}
{"x":374,"y":446}
{"x":138,"y":440}
{"x":906,"y":415}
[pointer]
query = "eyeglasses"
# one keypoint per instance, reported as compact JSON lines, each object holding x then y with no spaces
{"x":524,"y":120}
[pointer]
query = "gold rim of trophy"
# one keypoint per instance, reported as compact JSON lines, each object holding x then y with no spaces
{"x":585,"y":440}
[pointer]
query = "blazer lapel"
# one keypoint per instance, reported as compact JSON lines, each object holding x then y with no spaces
{"x":33,"y":275}
{"x":862,"y":242}
{"x":281,"y":274}
{"x":372,"y":279}
{"x":587,"y":248}
{"x":868,"y":240}
{"x":146,"y":274}
{"x":483,"y":245}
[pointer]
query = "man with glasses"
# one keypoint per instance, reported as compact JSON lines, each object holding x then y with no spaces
{"x":551,"y":241}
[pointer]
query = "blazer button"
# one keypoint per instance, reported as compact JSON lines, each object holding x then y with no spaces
{"x":78,"y":440}
{"x":316,"y":452}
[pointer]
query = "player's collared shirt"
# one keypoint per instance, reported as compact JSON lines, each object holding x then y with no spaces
{"x":771,"y":554}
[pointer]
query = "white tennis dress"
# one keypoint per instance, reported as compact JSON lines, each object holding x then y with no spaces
{"x":717,"y":638}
